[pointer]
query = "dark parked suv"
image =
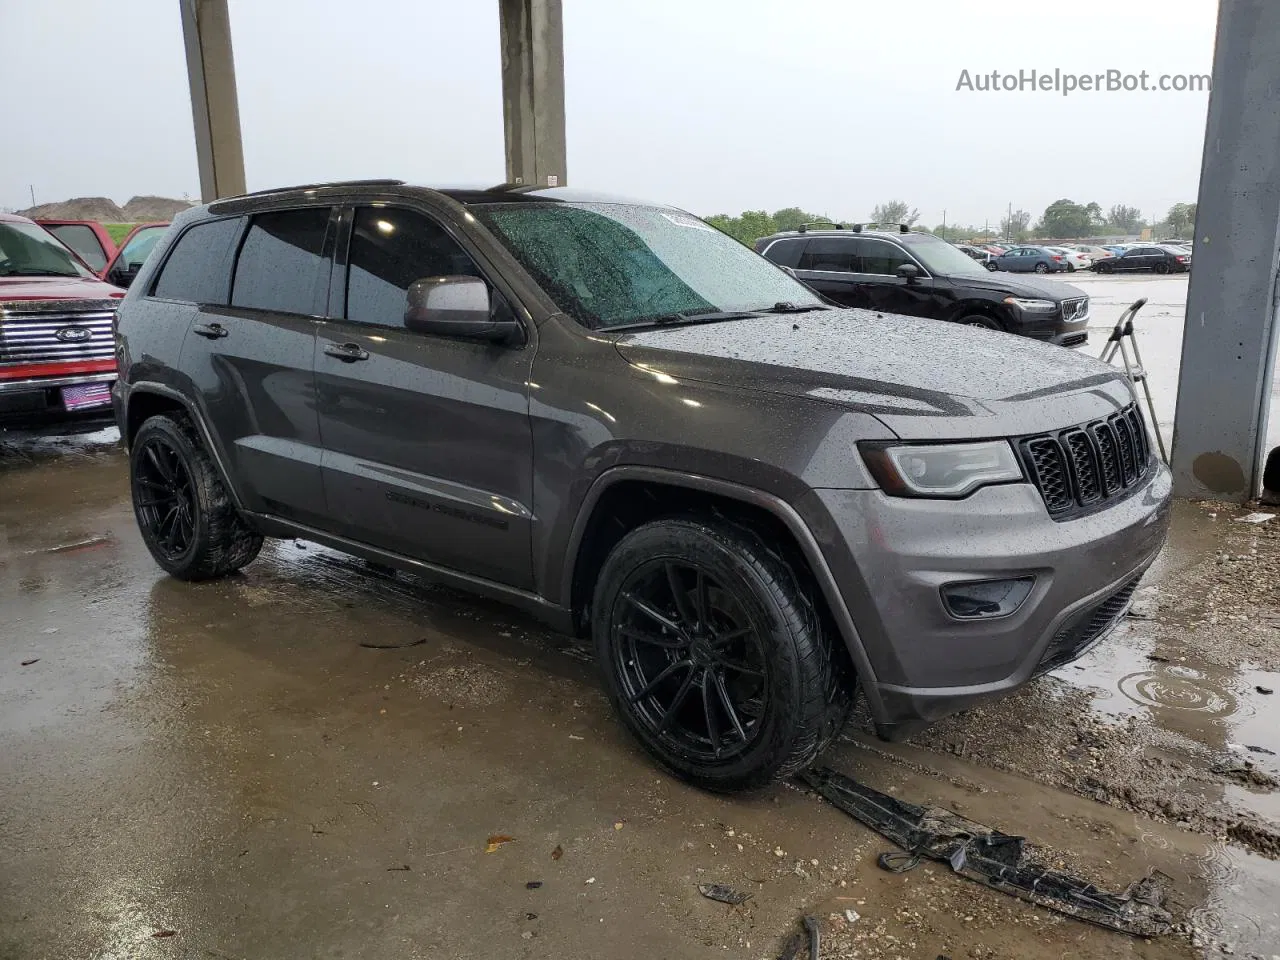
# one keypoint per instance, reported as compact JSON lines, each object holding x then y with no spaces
{"x":919,"y":275}
{"x":620,"y":419}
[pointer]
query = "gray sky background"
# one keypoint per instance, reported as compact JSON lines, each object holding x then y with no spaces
{"x":715,"y":105}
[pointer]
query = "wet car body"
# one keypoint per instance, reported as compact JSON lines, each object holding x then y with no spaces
{"x":500,"y":467}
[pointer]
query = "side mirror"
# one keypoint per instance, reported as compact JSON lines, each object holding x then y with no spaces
{"x":908,"y":271}
{"x":123,"y":274}
{"x":455,"y":307}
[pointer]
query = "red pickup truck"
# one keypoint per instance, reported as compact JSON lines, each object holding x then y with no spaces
{"x":57,"y":343}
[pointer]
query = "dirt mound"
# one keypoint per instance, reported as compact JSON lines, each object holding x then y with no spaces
{"x":81,"y":208}
{"x":143,"y":209}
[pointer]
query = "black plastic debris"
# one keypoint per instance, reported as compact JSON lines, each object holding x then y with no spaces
{"x":992,"y":858}
{"x":390,"y":643}
{"x":723,"y":894}
{"x":795,"y":943}
{"x":1265,"y":691}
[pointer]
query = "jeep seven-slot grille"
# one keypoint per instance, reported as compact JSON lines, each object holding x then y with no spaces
{"x":1083,"y":467}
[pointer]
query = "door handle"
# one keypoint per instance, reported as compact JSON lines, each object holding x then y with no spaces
{"x":346,"y":352}
{"x":213,"y":331}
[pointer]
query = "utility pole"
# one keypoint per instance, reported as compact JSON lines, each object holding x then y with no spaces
{"x":944,"y":223}
{"x":1008,"y":224}
{"x":32,"y":188}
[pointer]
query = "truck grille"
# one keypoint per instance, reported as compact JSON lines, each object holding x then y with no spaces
{"x":1085,"y":467}
{"x":44,"y":337}
{"x":1087,"y":628}
{"x":1076,"y":309}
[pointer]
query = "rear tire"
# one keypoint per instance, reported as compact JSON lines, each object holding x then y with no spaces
{"x":715,"y":655}
{"x":1162,"y":267}
{"x":184,"y":512}
{"x":1042,"y":267}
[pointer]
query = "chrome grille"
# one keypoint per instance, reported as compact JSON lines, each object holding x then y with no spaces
{"x":1089,"y":465}
{"x":43,"y":337}
{"x":1076,"y":309}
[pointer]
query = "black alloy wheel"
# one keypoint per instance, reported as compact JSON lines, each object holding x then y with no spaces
{"x":165,"y":500}
{"x":690,"y":661}
{"x":715,"y":653}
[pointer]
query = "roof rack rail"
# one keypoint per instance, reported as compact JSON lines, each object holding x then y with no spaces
{"x":902,"y":227}
{"x":819,"y":223}
{"x":332,"y":183}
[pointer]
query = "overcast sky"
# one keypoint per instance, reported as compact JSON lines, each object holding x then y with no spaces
{"x":715,"y":105}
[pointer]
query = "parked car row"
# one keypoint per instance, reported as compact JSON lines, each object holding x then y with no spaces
{"x":1164,"y":257}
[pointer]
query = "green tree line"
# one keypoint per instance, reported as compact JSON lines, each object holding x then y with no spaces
{"x":1062,"y":219}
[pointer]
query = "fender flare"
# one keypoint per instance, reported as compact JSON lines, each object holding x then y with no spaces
{"x":777,"y":507}
{"x":159,"y":389}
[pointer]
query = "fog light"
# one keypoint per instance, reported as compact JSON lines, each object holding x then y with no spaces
{"x":986,"y":599}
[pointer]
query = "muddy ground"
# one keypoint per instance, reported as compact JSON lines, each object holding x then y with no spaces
{"x":226,"y":771}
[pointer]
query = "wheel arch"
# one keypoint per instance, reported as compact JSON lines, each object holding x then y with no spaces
{"x":146,"y":399}
{"x":624,"y":497}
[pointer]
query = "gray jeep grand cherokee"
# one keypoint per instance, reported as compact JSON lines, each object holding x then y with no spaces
{"x":621,"y":420}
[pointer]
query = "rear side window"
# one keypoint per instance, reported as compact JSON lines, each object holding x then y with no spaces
{"x":834,"y":255}
{"x":83,"y":241}
{"x":785,"y":253}
{"x":880,"y":257}
{"x":198,"y":269}
{"x":390,"y":249}
{"x":280,"y":265}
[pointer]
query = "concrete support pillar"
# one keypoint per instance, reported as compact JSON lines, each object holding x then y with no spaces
{"x":532,"y":36}
{"x":1228,"y":350}
{"x":212,"y":73}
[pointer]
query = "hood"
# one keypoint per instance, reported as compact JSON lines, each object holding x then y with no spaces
{"x":924,"y":379}
{"x":1019,"y":286}
{"x":57,"y":288}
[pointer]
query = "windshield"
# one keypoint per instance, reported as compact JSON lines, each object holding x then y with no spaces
{"x":940,"y":257}
{"x":28,"y":250}
{"x":611,"y":264}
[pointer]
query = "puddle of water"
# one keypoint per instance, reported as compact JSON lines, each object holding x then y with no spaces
{"x":1242,"y":908}
{"x":1218,"y":707}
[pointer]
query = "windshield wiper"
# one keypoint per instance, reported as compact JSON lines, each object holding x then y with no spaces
{"x":33,"y":272}
{"x":786,"y":306}
{"x":684,"y":319}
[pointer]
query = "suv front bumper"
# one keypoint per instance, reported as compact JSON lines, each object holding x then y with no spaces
{"x":891,"y":557}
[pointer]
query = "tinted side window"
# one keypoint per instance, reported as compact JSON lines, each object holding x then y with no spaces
{"x":83,"y":241}
{"x":198,"y":268}
{"x":881,"y":257}
{"x":280,"y":263}
{"x":390,"y":249}
{"x":786,"y":253}
{"x":833,"y":254}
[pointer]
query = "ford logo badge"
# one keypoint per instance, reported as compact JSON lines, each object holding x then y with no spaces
{"x":74,"y":334}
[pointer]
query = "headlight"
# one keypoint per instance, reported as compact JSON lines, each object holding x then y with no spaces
{"x":945,"y":470}
{"x":1032,"y":306}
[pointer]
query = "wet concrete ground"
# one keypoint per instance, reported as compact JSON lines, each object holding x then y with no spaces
{"x":225,"y":771}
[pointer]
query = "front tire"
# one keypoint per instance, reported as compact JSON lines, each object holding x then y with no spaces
{"x":184,"y":512}
{"x":978,"y":320}
{"x":714,"y":654}
{"x":992,"y":266}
